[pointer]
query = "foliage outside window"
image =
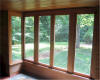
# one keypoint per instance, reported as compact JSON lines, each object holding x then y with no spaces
{"x":61,"y":40}
{"x":29,"y":38}
{"x":84,"y":36}
{"x":16,"y":38}
{"x":44,"y":35}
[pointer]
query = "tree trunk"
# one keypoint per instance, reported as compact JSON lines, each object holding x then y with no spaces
{"x":78,"y":36}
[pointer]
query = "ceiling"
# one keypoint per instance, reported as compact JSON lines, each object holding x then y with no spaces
{"x":32,"y":5}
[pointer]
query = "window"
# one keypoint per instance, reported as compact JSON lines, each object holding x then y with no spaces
{"x":16,"y":38}
{"x":29,"y":38}
{"x":44,"y":35}
{"x":61,"y":40}
{"x":52,"y":33}
{"x":84,"y":36}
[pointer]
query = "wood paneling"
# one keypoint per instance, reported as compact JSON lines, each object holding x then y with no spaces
{"x":72,"y":39}
{"x":48,"y":73}
{"x":15,"y":69}
{"x":88,"y":10}
{"x":30,"y":5}
{"x":95,"y":64}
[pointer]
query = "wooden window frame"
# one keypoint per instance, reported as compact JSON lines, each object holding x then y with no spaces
{"x":10,"y":14}
{"x":71,"y":50}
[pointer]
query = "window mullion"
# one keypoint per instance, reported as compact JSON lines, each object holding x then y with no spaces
{"x":36,"y":38}
{"x":72,"y":39}
{"x":52,"y":40}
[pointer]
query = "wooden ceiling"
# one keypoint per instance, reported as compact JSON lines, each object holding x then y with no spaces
{"x":32,"y":5}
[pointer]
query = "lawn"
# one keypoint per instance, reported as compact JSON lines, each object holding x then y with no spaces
{"x":82,"y":57}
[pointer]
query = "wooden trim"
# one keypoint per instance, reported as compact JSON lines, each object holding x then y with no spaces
{"x":10,"y":14}
{"x":83,"y":75}
{"x":50,"y":73}
{"x":86,"y":10}
{"x":14,"y":13}
{"x":95,"y":66}
{"x":52,"y":40}
{"x":44,"y":64}
{"x":16,"y":62}
{"x":10,"y":37}
{"x":36,"y":38}
{"x":23,"y":37}
{"x":72,"y":39}
{"x":59,"y":69}
{"x":28,"y":60}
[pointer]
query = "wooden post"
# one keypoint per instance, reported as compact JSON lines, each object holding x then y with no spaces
{"x":10,"y":37}
{"x":36,"y":38}
{"x":52,"y":40}
{"x":72,"y":39}
{"x":95,"y":67}
{"x":22,"y":36}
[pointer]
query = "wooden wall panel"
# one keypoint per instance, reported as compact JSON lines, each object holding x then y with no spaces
{"x":48,"y":73}
{"x":15,"y":69}
{"x":95,"y":64}
{"x":71,"y":45}
{"x":62,"y":11}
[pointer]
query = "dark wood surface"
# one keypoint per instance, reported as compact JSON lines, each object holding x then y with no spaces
{"x":4,"y":52}
{"x":95,"y":63}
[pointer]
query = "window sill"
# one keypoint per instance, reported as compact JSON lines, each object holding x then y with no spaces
{"x":16,"y":62}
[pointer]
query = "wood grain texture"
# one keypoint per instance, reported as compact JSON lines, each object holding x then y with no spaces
{"x":83,"y":10}
{"x":36,"y":38}
{"x":95,"y":64}
{"x":10,"y":14}
{"x":52,"y":40}
{"x":31,"y":5}
{"x":48,"y":73}
{"x":71,"y":45}
{"x":15,"y":69}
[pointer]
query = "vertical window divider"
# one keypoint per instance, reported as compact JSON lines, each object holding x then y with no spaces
{"x":95,"y":50}
{"x":52,"y":40}
{"x":72,"y":39}
{"x":23,"y":36}
{"x":36,"y":38}
{"x":10,"y":38}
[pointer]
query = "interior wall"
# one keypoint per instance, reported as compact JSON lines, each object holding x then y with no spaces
{"x":48,"y":73}
{"x":4,"y":53}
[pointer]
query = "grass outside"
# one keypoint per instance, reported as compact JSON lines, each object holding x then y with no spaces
{"x":82,"y":57}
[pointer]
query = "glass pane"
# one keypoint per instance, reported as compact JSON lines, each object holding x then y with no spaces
{"x":44,"y":44}
{"x":61,"y":41}
{"x":16,"y":38}
{"x":84,"y":36}
{"x":29,"y":38}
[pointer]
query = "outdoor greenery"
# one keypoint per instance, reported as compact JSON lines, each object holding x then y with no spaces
{"x":84,"y":36}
